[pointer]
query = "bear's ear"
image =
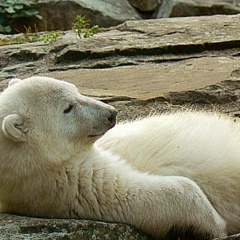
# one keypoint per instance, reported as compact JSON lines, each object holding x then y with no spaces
{"x":14,"y":128}
{"x":13,"y":81}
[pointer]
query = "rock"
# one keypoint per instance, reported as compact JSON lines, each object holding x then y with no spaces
{"x":61,"y":14}
{"x":164,"y":53}
{"x":156,"y":38}
{"x":183,"y":8}
{"x":173,"y":83}
{"x":24,"y":228}
{"x":145,"y":6}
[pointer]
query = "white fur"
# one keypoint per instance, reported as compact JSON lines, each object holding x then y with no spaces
{"x":201,"y":146}
{"x":50,"y":166}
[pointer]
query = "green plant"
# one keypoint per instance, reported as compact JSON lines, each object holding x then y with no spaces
{"x":51,"y":37}
{"x":11,"y":10}
{"x":81,"y":27}
{"x":91,"y":31}
{"x":32,"y":36}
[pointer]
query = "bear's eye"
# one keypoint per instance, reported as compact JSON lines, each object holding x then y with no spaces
{"x":69,"y":109}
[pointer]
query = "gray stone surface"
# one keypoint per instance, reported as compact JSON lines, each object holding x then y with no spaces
{"x":15,"y":227}
{"x":184,"y":8}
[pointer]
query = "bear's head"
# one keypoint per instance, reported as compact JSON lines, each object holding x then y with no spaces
{"x":49,"y":118}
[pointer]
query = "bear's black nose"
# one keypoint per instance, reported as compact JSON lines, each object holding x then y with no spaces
{"x":112,"y":118}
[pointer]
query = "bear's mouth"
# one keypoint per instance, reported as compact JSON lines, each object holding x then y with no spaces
{"x":95,"y":135}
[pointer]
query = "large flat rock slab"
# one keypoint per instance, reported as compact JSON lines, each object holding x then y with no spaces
{"x":149,"y":81}
{"x":158,"y":37}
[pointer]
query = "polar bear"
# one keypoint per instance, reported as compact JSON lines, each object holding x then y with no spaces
{"x":177,"y":170}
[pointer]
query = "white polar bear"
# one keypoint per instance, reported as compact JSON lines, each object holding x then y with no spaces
{"x":51,"y":167}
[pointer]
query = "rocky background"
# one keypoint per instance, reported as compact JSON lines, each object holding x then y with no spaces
{"x":140,"y":67}
{"x":105,"y":13}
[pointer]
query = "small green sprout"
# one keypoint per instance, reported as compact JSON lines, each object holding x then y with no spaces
{"x":51,"y":37}
{"x":81,"y":27}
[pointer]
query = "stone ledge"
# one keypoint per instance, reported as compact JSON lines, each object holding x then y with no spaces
{"x":24,"y":228}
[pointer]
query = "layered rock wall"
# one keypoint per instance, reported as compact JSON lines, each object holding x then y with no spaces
{"x":59,"y":14}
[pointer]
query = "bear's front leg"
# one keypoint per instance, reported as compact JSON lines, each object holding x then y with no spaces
{"x":167,"y":202}
{"x":114,"y":192}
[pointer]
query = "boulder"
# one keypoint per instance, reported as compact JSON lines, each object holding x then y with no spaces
{"x":183,"y":8}
{"x":61,"y":14}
